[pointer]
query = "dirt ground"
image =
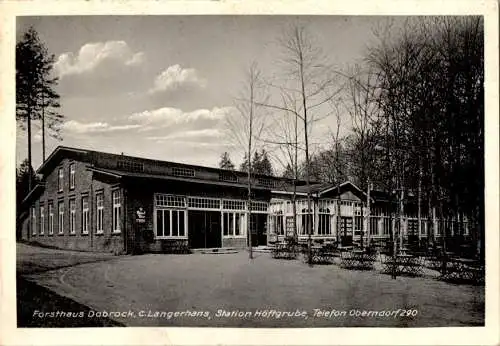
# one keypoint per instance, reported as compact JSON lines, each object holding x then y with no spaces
{"x":230,"y":290}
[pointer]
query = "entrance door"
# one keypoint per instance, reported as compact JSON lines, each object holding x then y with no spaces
{"x":204,"y":229}
{"x":258,"y":227}
{"x":346,"y":231}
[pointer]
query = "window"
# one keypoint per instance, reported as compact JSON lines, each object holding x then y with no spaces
{"x":182,"y":172}
{"x":42,"y":220}
{"x":33,"y":220}
{"x":170,"y":201}
{"x":130,"y":165}
{"x":51,"y":218}
{"x":100,"y":212}
{"x":324,"y":222}
{"x":170,"y":223}
{"x":412,"y":225}
{"x":226,"y":176}
{"x":278,"y":223}
{"x":233,"y":205}
{"x":306,"y":222}
{"x":266,"y":182}
{"x":203,"y":203}
{"x":61,"y":217}
{"x":233,"y":224}
{"x":386,"y":225}
{"x":72,"y":216}
{"x":423,"y":227}
{"x":85,"y":215}
{"x":60,"y":179}
{"x":373,"y":225}
{"x":358,"y":223}
{"x":345,"y":225}
{"x":258,"y":206}
{"x":117,"y":207}
{"x":72,"y":176}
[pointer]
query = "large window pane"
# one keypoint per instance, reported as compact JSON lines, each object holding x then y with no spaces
{"x":175,"y":224}
{"x":181,"y":223}
{"x":166,"y":223}
{"x":159,"y":223}
{"x":237,"y":224}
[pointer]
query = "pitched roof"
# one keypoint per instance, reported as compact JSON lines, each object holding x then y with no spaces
{"x":86,"y":155}
{"x":138,"y":175}
{"x":318,"y":189}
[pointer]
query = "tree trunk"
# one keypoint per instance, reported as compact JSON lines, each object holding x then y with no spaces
{"x":249,"y":170}
{"x":30,"y":177}
{"x":43,"y":128}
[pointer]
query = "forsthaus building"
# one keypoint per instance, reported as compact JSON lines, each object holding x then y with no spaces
{"x":96,"y":201}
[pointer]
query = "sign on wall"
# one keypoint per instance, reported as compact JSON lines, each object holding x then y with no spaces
{"x":140,"y":215}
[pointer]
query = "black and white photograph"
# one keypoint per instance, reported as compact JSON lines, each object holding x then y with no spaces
{"x":250,"y":171}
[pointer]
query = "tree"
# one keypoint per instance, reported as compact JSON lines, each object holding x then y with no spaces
{"x":266,"y":166}
{"x":244,"y":127}
{"x":256,"y":163}
{"x":36,"y":98}
{"x":225,"y":162}
{"x":288,"y":172}
{"x":261,"y":163}
{"x":245,"y":163}
{"x":23,"y":176}
{"x":430,"y":91}
{"x":310,"y":81}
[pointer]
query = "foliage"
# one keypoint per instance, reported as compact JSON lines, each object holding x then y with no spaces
{"x":35,"y":84}
{"x":36,"y":98}
{"x":23,"y":175}
{"x":260,"y":163}
{"x":225,"y":162}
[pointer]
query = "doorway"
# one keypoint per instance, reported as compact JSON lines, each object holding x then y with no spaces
{"x":258,"y":227}
{"x":204,"y":229}
{"x":346,"y":231}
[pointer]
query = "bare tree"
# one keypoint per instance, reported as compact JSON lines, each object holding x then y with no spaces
{"x":362,"y":106}
{"x":246,"y":125}
{"x":312,"y":82}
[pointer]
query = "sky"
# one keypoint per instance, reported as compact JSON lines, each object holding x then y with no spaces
{"x":166,"y":87}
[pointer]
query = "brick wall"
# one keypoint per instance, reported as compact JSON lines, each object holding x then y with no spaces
{"x":85,"y":185}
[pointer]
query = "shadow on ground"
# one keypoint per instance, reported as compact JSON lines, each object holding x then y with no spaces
{"x":32,"y":297}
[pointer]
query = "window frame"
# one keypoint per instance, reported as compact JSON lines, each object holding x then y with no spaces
{"x":277,"y":221}
{"x":60,"y":219}
{"x":116,"y":201}
{"x":85,"y":215}
{"x":170,"y":212}
{"x":72,"y":216}
{"x":51,"y":218}
{"x":304,"y":215}
{"x":60,"y":179}
{"x":99,"y":212}
{"x":237,"y":218}
{"x":72,"y":172}
{"x":33,"y":220}
{"x":324,"y":222}
{"x":42,"y":219}
{"x":374,"y":221}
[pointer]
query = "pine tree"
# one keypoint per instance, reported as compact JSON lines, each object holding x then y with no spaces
{"x":23,"y":175}
{"x":256,"y":163}
{"x":244,"y":163}
{"x":288,"y":172}
{"x":36,"y":98}
{"x":225,"y":162}
{"x":265,"y":164}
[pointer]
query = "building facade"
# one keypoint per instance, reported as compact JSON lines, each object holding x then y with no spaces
{"x":95,"y":201}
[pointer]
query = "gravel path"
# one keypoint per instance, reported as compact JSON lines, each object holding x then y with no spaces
{"x":231,"y":290}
